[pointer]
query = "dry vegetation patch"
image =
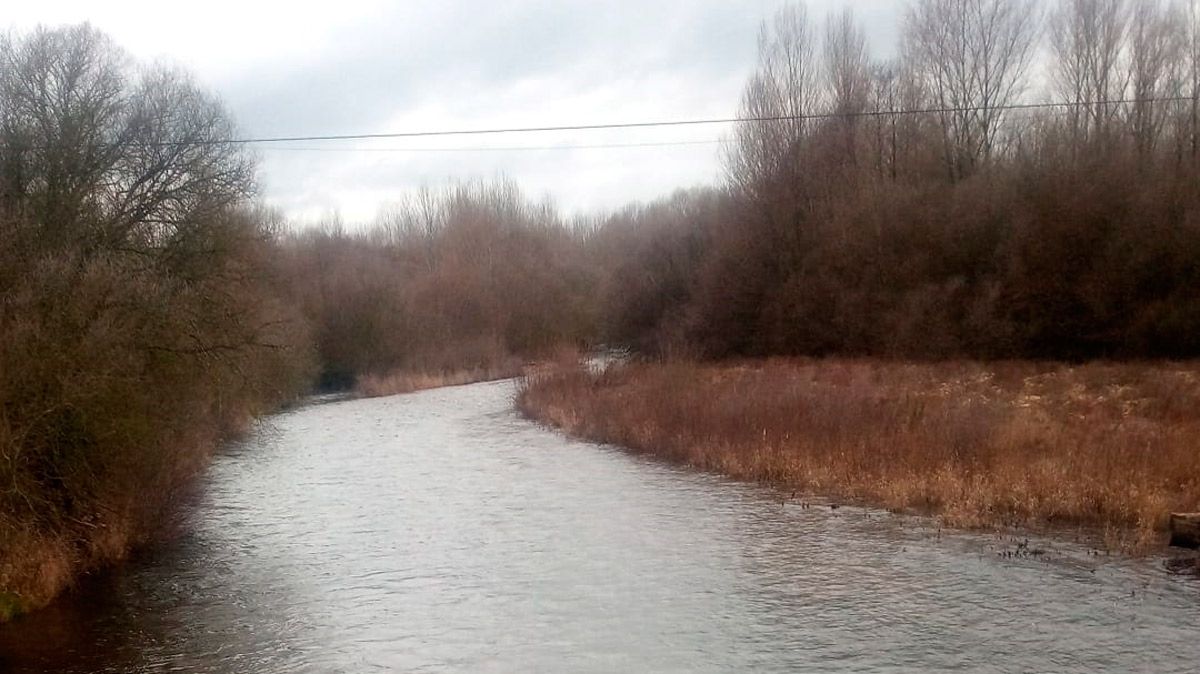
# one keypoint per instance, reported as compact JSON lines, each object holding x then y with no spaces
{"x":404,"y":381}
{"x":1106,"y":446}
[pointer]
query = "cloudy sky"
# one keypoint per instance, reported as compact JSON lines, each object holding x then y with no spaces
{"x":374,"y":66}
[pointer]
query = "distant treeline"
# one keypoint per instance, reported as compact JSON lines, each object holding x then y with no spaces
{"x":912,"y":208}
{"x":462,"y":278}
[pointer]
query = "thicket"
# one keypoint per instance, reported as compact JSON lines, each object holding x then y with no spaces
{"x":140,"y":316}
{"x":851,"y":224}
{"x":473,"y":278}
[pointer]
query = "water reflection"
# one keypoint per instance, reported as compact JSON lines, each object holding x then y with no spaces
{"x":439,"y":532}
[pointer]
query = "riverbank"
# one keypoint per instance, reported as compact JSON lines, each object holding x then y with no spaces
{"x":410,"y":381}
{"x":1110,"y":447}
{"x":92,"y":527}
{"x":415,"y":533}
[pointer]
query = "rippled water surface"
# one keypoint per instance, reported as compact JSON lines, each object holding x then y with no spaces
{"x":440,"y":532}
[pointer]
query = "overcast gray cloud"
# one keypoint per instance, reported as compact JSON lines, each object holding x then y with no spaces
{"x":367,"y":66}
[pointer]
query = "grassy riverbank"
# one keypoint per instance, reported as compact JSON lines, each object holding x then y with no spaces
{"x":491,"y":368}
{"x":981,"y":445}
{"x":98,"y":441}
{"x":408,"y":381}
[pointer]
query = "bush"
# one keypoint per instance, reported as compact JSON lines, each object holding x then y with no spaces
{"x":140,"y":319}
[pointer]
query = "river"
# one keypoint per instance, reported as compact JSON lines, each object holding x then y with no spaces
{"x":439,"y":531}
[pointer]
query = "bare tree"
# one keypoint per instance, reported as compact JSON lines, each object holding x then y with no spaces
{"x":416,"y":222}
{"x":778,"y":99}
{"x":172,"y":168}
{"x":848,"y":76}
{"x":103,"y":159}
{"x":1156,"y":49}
{"x":884,"y":97}
{"x":973,"y":56}
{"x":1088,"y":43}
{"x":62,"y":108}
{"x":900,"y":142}
{"x":1192,"y":46}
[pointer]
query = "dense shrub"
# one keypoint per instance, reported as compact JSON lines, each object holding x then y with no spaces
{"x":469,"y":278}
{"x":140,"y":319}
{"x":853,"y":225}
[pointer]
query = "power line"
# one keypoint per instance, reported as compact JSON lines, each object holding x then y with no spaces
{"x":511,"y":148}
{"x":683,"y":122}
{"x":666,"y":123}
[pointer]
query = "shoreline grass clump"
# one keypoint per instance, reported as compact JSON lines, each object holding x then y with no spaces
{"x":1110,"y":447}
{"x":411,"y":381}
{"x":493,"y":366}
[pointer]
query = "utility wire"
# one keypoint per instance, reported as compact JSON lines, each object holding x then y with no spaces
{"x":682,"y":122}
{"x":667,"y":123}
{"x":511,"y":148}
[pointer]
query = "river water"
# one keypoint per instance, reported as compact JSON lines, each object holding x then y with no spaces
{"x":438,"y":531}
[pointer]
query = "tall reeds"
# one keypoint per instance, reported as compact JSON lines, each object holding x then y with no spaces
{"x":1113,"y":447}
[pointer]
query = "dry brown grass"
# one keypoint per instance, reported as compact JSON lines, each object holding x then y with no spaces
{"x":497,"y":365}
{"x":374,"y":386}
{"x":1112,"y":447}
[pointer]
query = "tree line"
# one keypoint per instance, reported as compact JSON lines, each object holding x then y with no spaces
{"x":916,"y":206}
{"x":850,"y":224}
{"x":462,"y":277}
